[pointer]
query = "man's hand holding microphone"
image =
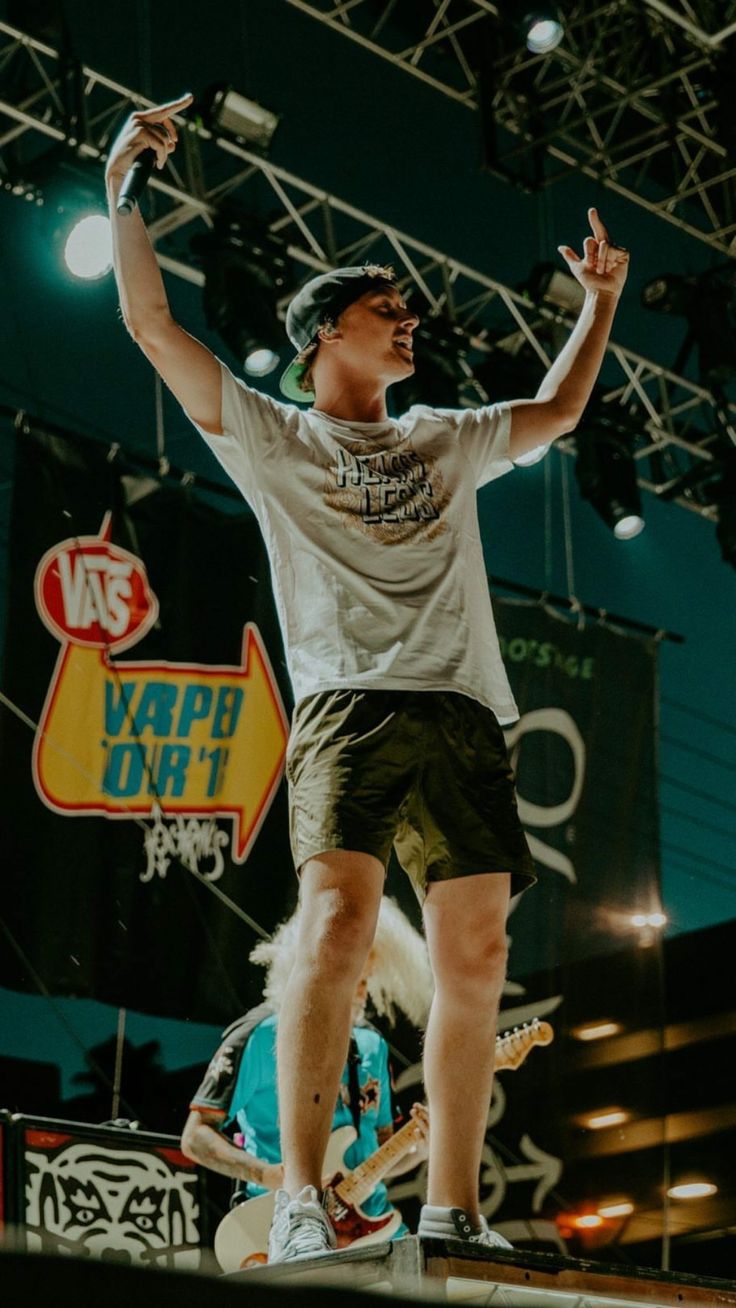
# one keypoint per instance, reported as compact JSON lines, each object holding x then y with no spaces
{"x":146,"y":141}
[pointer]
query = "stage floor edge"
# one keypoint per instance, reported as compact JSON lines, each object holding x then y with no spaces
{"x":449,"y":1270}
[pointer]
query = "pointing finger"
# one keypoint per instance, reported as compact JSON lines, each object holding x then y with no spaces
{"x":601,"y":261}
{"x":599,"y":230}
{"x":163,"y":111}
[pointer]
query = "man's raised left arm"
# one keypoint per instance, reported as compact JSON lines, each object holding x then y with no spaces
{"x":561,"y":399}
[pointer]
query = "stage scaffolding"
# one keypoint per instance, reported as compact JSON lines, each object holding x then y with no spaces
{"x":635,"y":96}
{"x":50,"y":100}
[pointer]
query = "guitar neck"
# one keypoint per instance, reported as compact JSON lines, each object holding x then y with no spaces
{"x":511,"y":1050}
{"x":362,"y":1181}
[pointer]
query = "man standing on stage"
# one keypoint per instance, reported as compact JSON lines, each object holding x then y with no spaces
{"x":377,"y":568}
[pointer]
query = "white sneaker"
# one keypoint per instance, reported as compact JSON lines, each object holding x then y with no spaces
{"x":454,"y":1224}
{"x":300,"y":1227}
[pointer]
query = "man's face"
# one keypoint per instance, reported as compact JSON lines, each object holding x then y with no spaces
{"x":375,"y":336}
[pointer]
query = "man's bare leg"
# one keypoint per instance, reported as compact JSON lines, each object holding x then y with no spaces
{"x":465,"y":922}
{"x":340,"y":898}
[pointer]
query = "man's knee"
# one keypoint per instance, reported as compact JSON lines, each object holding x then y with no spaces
{"x":472,"y":964}
{"x":480,"y":954}
{"x":341,"y":894}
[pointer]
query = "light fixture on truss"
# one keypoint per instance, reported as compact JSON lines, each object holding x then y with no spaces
{"x":606,"y":472}
{"x":246,"y":271}
{"x":540,"y":25}
{"x":225,"y":112}
{"x":706,"y":303}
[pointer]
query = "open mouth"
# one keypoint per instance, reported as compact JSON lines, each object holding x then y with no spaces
{"x":405,"y":346}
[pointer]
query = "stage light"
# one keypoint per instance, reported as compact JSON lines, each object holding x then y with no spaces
{"x":629,"y":526}
{"x":246,"y":270}
{"x":260,"y":362}
{"x":587,"y":1221}
{"x":706,"y":303}
{"x":692,"y":1190}
{"x":621,"y":1208}
{"x":542,"y":28}
{"x":71,"y":191}
{"x":439,"y":377}
{"x":600,"y":1121}
{"x":539,"y":24}
{"x":596,"y":1030}
{"x":228,"y":113}
{"x":655,"y":920}
{"x":606,"y":474}
{"x":548,"y":284}
{"x":88,"y":248}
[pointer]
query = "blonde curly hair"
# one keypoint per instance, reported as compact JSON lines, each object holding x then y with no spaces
{"x":400,"y":975}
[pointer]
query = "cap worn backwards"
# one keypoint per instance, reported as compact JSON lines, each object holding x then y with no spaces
{"x":322,"y":300}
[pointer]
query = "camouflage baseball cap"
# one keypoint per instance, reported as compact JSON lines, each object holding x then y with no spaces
{"x":322,"y":300}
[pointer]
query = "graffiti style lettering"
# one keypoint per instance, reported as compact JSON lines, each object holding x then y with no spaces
{"x":197,"y":845}
{"x":391,"y":494}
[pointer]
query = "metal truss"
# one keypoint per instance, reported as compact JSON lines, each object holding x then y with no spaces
{"x":636,"y":95}
{"x":681,"y":429}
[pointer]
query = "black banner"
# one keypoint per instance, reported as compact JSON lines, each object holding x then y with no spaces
{"x":584,"y":752}
{"x":143,"y":644}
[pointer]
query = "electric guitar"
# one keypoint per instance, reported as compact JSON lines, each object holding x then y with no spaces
{"x":241,"y":1239}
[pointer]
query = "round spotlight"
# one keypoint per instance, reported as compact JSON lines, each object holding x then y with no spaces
{"x":543,"y":32}
{"x":605,"y":468}
{"x":656,"y":919}
{"x":88,"y":249}
{"x":628,"y":526}
{"x":692,"y":1190}
{"x":260,"y":362}
{"x":621,"y":1208}
{"x":608,"y":1117}
{"x":588,"y":1221}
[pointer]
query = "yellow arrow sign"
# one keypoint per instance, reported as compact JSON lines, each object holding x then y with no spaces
{"x":120,"y":738}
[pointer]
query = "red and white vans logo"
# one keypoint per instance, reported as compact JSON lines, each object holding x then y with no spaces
{"x":91,"y":592}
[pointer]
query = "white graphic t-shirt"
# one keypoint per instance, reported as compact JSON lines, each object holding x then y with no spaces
{"x":372,"y":532}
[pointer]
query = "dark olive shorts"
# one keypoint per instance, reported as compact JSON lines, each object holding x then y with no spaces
{"x":425,"y":771}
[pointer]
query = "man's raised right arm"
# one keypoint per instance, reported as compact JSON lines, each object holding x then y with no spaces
{"x":189,"y":369}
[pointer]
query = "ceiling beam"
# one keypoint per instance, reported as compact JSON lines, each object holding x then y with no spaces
{"x":623,"y":71}
{"x":677,"y":419}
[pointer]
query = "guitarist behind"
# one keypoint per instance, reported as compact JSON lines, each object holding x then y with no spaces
{"x":239,"y":1088}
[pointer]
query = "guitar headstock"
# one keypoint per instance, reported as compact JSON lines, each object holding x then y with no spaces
{"x":513,"y":1046}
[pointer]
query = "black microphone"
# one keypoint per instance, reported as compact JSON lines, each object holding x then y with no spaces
{"x":134,"y":182}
